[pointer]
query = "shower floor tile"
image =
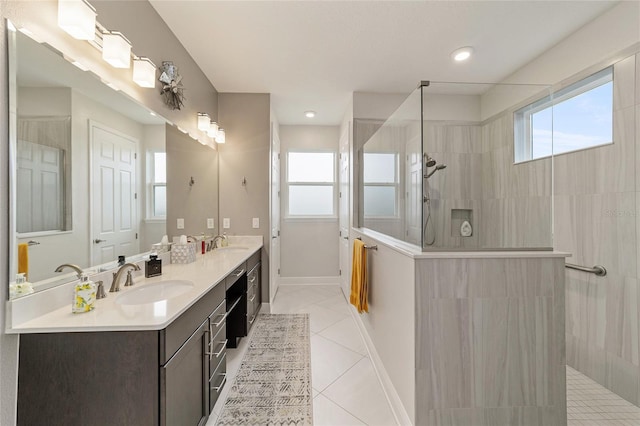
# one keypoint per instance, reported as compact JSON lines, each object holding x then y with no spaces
{"x":590,"y":404}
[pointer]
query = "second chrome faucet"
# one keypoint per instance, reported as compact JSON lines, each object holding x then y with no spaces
{"x":115,"y":284}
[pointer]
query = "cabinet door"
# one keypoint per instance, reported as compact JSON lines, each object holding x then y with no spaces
{"x":184,"y":384}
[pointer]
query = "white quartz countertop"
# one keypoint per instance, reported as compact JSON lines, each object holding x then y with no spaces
{"x":206,"y":272}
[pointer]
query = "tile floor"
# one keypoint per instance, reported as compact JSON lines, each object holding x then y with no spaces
{"x":589,"y":404}
{"x":346,"y":389}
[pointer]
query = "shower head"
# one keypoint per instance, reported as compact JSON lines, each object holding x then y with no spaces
{"x":428,"y":161}
{"x":438,"y":167}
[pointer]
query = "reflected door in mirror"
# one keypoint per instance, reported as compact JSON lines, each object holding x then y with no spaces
{"x":114,"y":199}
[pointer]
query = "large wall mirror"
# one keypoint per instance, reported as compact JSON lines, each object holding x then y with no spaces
{"x":88,"y":167}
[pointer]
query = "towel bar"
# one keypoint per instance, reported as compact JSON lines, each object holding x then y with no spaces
{"x":368,"y":247}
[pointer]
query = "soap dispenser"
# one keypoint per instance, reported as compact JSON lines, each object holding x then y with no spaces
{"x":84,"y":296}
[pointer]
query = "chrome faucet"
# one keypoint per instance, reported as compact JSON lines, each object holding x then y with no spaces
{"x":76,"y":268}
{"x":115,"y":284}
{"x":216,"y":238}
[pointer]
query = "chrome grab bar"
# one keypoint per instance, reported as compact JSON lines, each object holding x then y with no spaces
{"x":599,"y":270}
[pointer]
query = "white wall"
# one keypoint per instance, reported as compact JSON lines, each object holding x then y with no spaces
{"x":309,"y":247}
{"x":596,"y":42}
{"x":152,"y":231}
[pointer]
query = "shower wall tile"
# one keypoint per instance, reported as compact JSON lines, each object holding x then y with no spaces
{"x":586,"y":308}
{"x":587,"y":359}
{"x":637,"y":99}
{"x":622,"y":318}
{"x":459,"y":417}
{"x":615,"y":164}
{"x":622,"y":378}
{"x":574,"y":172}
{"x":505,"y":327}
{"x":494,"y":374}
{"x":610,"y":238}
{"x":565,"y":237}
{"x":451,"y":333}
{"x":624,"y":79}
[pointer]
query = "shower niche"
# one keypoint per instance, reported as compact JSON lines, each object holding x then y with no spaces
{"x":445,"y":159}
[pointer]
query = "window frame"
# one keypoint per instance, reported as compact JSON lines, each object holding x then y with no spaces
{"x":395,"y":185}
{"x":523,"y":132}
{"x":152,"y":185}
{"x":334,"y":184}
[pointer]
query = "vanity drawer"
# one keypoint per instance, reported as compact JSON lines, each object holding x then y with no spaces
{"x":172,"y":337}
{"x":253,"y":260}
{"x":235,"y":275}
{"x":217,"y":350}
{"x":217,"y":319}
{"x":217,"y":381}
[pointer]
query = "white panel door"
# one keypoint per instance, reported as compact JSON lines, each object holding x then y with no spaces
{"x":40,"y":183}
{"x":114,"y":205}
{"x":274,"y":263}
{"x":343,"y":211}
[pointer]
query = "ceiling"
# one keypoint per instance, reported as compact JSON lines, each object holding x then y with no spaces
{"x":310,"y":55}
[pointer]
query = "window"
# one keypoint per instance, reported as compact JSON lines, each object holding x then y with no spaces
{"x":311,"y":180}
{"x":380,"y":179}
{"x":576,"y":117}
{"x":157,"y":185}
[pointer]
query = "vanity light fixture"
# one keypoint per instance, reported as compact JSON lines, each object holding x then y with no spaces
{"x":144,"y":72}
{"x":116,"y":49}
{"x":221,"y":137}
{"x":309,"y":114}
{"x":462,"y":54}
{"x":203,"y":121}
{"x":77,"y":18}
{"x":213,"y":129}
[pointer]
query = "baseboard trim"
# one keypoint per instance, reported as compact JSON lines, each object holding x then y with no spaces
{"x":308,"y":281}
{"x":399,"y":412}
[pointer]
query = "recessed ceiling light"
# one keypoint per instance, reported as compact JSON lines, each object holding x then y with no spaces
{"x":309,"y":114}
{"x":462,"y":54}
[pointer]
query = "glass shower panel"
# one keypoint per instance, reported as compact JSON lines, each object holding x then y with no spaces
{"x":391,"y":174}
{"x":475,"y":196}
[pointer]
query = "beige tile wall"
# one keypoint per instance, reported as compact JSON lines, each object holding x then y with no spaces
{"x":597,"y":220}
{"x":489,"y":341}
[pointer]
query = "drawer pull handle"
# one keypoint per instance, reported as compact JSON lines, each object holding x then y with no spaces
{"x":239,"y":273}
{"x":252,"y":279}
{"x":252,"y":319}
{"x":224,"y":317}
{"x":224,"y":380}
{"x":253,"y":298}
{"x":224,"y":345}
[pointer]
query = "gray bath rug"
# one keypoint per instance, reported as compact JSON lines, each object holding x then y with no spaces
{"x":273,"y":384}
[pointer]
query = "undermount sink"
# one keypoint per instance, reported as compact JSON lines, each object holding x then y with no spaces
{"x":155,"y":292}
{"x":232,"y":248}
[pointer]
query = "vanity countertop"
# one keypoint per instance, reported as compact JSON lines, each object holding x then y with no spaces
{"x":206,"y":272}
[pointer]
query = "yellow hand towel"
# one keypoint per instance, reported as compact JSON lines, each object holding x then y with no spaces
{"x":359,"y":284}
{"x":23,"y":259}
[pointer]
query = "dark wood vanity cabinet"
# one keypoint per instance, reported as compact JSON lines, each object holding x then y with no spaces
{"x":162,"y":377}
{"x":254,"y":289}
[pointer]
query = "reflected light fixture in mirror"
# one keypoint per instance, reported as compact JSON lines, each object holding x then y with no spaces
{"x":77,"y":18}
{"x":144,"y":72}
{"x":116,"y":49}
{"x":220,"y":137}
{"x":203,"y":121}
{"x":213,"y":129}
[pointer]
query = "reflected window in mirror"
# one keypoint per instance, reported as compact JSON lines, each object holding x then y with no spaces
{"x":157,"y":165}
{"x":43,"y":181}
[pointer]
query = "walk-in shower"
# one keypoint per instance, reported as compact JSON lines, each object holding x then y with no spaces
{"x":483,"y":200}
